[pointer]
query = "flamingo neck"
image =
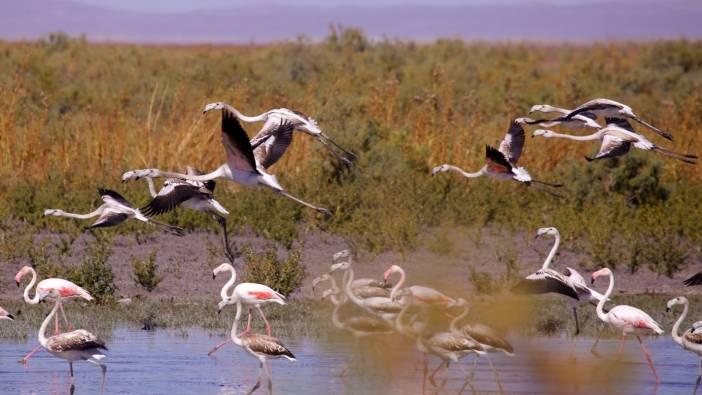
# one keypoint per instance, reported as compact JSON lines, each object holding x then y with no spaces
{"x":95,"y":213}
{"x":402,"y":328}
{"x":399,"y":284}
{"x":217,"y":173}
{"x":246,"y":118}
{"x":453,"y":326}
{"x":335,"y":314}
{"x":224,"y":293}
{"x":347,"y":288}
{"x":336,"y":301}
{"x":464,"y":173}
{"x":600,"y":305}
{"x":235,"y":337}
{"x":42,"y":330}
{"x":27,"y":299}
{"x":590,"y":137}
{"x":152,"y":188}
{"x":552,"y":253}
{"x":675,"y":331}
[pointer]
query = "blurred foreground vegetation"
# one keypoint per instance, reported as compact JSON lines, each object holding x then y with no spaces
{"x":74,"y":116}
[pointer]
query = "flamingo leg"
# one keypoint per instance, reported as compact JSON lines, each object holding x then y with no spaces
{"x":699,"y":377}
{"x":248,"y":324}
{"x":649,"y":360}
{"x":26,"y":357}
{"x":56,"y":326}
{"x":467,"y":382}
{"x":218,"y":346}
{"x":103,"y":369}
{"x":434,"y":372}
{"x":577,"y":322}
{"x":227,"y":249}
{"x":69,"y":327}
{"x":268,"y":326}
{"x":258,"y":380}
{"x":425,"y":372}
{"x":621,"y":346}
{"x":593,"y":350}
{"x":269,"y":377}
{"x":497,"y":375}
{"x":475,"y":365}
{"x":71,"y":387}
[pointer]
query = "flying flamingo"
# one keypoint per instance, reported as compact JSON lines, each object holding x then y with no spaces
{"x":194,"y":195}
{"x":46,"y":289}
{"x":273,"y":139}
{"x":4,"y":315}
{"x":613,"y":109}
{"x":691,"y":340}
{"x":261,"y":347}
{"x":422,"y":295}
{"x":695,"y":279}
{"x":547,"y":280}
{"x":241,"y":166}
{"x":579,"y":121}
{"x":73,"y":346}
{"x":383,"y":307}
{"x":114,"y":210}
{"x":627,"y":319}
{"x":359,"y":326}
{"x":502,"y":162}
{"x":251,"y":295}
{"x":617,"y":138}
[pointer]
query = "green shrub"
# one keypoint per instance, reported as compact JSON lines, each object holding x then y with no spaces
{"x":284,"y":276}
{"x":145,"y":271}
{"x":95,"y":274}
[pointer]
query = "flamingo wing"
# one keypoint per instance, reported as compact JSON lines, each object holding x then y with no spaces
{"x":368,"y":324}
{"x":267,"y":345}
{"x":252,"y":293}
{"x":633,"y":317}
{"x":109,"y":218}
{"x":428,"y":295}
{"x":695,"y":279}
{"x":612,"y":147}
{"x":270,"y":152}
{"x":693,"y":336}
{"x":65,"y":288}
{"x":170,"y":197}
{"x":513,"y":143}
{"x":483,"y":334}
{"x":496,"y":161}
{"x":77,"y":340}
{"x":546,"y":281}
{"x":110,"y":196}
{"x":236,"y":144}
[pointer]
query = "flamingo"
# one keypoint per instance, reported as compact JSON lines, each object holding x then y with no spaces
{"x":695,"y":279}
{"x":547,"y":280}
{"x":241,"y":166}
{"x":114,"y":210}
{"x":273,"y":139}
{"x":423,"y":295}
{"x":362,"y":287}
{"x":250,"y":294}
{"x":194,"y":195}
{"x":579,"y":121}
{"x":359,"y":326}
{"x":627,"y":319}
{"x":691,"y":340}
{"x":46,"y":289}
{"x":261,"y":347}
{"x":613,"y":109}
{"x":73,"y":346}
{"x":617,"y":138}
{"x":4,"y":315}
{"x":502,"y":162}
{"x":384,"y":307}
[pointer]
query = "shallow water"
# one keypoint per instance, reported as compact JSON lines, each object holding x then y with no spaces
{"x":176,"y":362}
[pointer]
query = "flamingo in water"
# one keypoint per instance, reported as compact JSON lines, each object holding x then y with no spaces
{"x":241,"y":166}
{"x":251,"y":295}
{"x":626,"y":319}
{"x":78,"y":345}
{"x":691,"y":340}
{"x":422,"y":295}
{"x":46,"y":289}
{"x":261,"y":347}
{"x":4,"y":315}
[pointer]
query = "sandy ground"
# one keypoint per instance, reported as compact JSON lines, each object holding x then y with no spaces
{"x":186,"y":262}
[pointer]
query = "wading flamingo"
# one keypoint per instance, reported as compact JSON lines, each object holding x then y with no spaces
{"x":617,"y":139}
{"x":46,"y":289}
{"x":383,"y":307}
{"x":273,"y":140}
{"x":691,"y":340}
{"x":363,"y":287}
{"x":547,"y":280}
{"x":251,"y":295}
{"x":626,"y":319}
{"x":612,"y":109}
{"x":261,"y":347}
{"x":502,"y":162}
{"x":241,"y":166}
{"x":194,"y":195}
{"x":4,"y":315}
{"x":114,"y":210}
{"x":422,"y":295}
{"x":78,"y":345}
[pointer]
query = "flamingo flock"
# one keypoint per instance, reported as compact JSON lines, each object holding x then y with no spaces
{"x":365,"y":307}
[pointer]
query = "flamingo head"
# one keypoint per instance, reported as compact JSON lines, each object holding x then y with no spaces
{"x":460,"y":302}
{"x":521,"y":174}
{"x":317,"y":280}
{"x":213,"y":106}
{"x":225,"y":302}
{"x":53,"y":212}
{"x":551,"y":231}
{"x":340,"y":266}
{"x":328,"y":293}
{"x":523,"y":120}
{"x":541,"y":108}
{"x":343,"y":254}
{"x":392,"y":269}
{"x":542,"y":132}
{"x":439,"y":169}
{"x":674,"y":301}
{"x":222,"y":268}
{"x":24,"y":270}
{"x":602,"y":272}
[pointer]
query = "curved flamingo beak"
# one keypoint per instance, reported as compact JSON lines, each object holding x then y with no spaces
{"x":214,"y":276}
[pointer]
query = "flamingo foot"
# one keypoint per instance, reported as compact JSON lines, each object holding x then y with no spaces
{"x":217,"y":347}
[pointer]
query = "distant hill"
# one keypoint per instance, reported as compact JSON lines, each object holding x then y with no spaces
{"x":29,"y":19}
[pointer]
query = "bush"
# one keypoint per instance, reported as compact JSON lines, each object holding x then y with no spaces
{"x":145,"y":271}
{"x":95,"y":274}
{"x":285,"y":276}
